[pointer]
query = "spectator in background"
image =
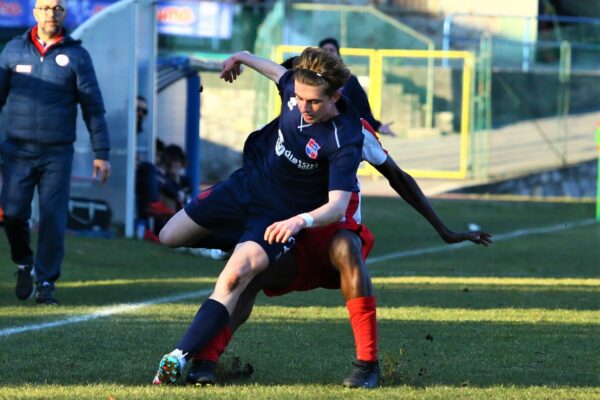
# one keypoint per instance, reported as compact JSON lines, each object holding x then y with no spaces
{"x":161,"y":189}
{"x":174,"y":186}
{"x":141,"y":113}
{"x":354,"y":91}
{"x":44,"y":74}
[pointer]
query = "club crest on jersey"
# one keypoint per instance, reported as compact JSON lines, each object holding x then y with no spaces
{"x":312,"y":148}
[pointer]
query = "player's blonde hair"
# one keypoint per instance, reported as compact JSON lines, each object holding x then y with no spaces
{"x":316,"y":67}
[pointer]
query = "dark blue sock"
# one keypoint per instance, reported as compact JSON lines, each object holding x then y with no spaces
{"x":210,"y":319}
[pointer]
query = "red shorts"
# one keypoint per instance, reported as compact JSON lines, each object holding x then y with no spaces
{"x":311,"y":253}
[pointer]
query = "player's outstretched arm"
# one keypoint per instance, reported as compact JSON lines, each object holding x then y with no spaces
{"x":332,"y":211}
{"x":409,"y":190}
{"x":232,"y":67}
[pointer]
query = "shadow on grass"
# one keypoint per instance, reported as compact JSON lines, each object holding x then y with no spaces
{"x":469,"y":297}
{"x":126,"y":349}
{"x":475,"y":297}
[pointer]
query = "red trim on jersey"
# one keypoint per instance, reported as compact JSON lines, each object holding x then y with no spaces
{"x":363,"y":318}
{"x":370,"y":129}
{"x":204,"y":194}
{"x":36,"y":42}
{"x":353,"y":205}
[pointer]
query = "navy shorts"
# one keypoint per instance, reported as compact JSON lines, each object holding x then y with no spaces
{"x":229,"y":210}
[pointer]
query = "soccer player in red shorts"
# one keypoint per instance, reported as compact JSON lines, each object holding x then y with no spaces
{"x":333,"y":257}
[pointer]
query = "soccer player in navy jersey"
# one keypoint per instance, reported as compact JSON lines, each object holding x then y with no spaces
{"x":333,"y":257}
{"x":298,"y":172}
{"x":355,"y":93}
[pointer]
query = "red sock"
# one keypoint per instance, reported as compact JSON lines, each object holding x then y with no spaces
{"x":213,"y":350}
{"x":363,"y":318}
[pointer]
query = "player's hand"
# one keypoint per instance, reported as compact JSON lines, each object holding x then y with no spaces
{"x":477,"y":237}
{"x":101,"y":170}
{"x":231,"y":69}
{"x":282,"y":231}
{"x":385,"y":129}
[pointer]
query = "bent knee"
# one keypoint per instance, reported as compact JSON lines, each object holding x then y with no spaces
{"x":232,"y":281}
{"x":229,"y":282}
{"x":345,"y":251}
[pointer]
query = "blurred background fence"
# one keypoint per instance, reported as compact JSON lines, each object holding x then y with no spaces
{"x":533,"y":97}
{"x":477,"y":91}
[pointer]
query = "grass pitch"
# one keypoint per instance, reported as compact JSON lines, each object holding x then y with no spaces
{"x":519,"y":319}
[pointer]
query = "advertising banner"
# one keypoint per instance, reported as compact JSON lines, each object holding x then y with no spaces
{"x":177,"y":17}
{"x":196,"y":18}
{"x":15,"y":13}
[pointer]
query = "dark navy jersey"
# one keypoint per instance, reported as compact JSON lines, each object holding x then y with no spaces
{"x":294,"y":164}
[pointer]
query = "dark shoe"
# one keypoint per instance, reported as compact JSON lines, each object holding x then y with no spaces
{"x":44,"y":294}
{"x":24,"y":287}
{"x":365,"y":375}
{"x":202,"y":373}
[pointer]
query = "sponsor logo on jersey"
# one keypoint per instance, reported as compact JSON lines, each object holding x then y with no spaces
{"x":280,"y":150}
{"x":292,"y":102}
{"x":312,"y":148}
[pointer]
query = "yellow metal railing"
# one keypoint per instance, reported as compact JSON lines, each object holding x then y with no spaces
{"x":417,"y":37}
{"x":465,"y":117}
{"x":375,"y":95}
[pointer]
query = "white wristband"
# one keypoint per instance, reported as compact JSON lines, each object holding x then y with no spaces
{"x":308,"y":219}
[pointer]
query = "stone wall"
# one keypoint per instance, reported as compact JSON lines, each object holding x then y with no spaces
{"x":577,"y":181}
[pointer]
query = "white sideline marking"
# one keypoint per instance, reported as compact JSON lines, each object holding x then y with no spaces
{"x":104,"y":312}
{"x":495,"y":238}
{"x":123,"y":308}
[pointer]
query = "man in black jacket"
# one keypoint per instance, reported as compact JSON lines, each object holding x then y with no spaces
{"x":44,"y":74}
{"x":353,"y":91}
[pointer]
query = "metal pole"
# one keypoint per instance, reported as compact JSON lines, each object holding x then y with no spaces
{"x":430,"y":83}
{"x":488,"y":105}
{"x":344,"y":29}
{"x":192,"y":132}
{"x":526,"y":45}
{"x":482,"y":115}
{"x":446,"y":40}
{"x":564,"y":77}
{"x":131,"y":135}
{"x":150,"y":81}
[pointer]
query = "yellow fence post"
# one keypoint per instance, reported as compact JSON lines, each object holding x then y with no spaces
{"x":376,"y":94}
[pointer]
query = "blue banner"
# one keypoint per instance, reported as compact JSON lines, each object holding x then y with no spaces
{"x":19,"y":13}
{"x":177,"y":17}
{"x":15,"y":13}
{"x":80,"y":10}
{"x":196,"y":18}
